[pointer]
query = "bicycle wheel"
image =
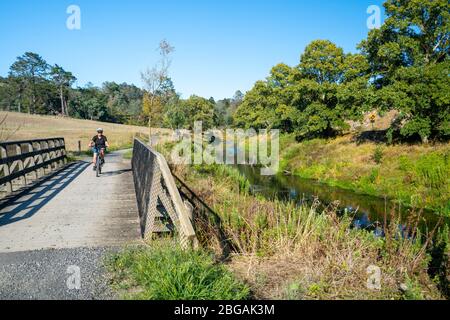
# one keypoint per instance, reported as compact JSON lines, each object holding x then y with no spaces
{"x":98,"y":166}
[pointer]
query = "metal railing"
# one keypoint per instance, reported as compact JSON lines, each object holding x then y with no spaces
{"x":207,"y":222}
{"x":22,"y":162}
{"x":161,"y":209}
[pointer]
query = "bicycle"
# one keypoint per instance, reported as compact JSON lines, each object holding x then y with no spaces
{"x":99,"y":161}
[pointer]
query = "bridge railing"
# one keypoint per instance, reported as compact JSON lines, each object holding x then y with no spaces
{"x":161,"y":208}
{"x":208,"y":224}
{"x":22,"y":162}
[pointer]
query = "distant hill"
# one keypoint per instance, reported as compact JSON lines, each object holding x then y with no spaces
{"x":21,"y":126}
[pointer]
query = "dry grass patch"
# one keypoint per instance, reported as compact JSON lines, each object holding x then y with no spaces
{"x":21,"y":126}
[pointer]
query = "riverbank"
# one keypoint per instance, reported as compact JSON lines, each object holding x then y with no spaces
{"x":415,"y":175}
{"x":285,"y":251}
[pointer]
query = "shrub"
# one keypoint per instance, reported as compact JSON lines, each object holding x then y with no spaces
{"x":378,"y":155}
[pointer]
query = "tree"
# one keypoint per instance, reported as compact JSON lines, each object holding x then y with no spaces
{"x":11,"y":94}
{"x":322,"y":62}
{"x":124,"y":102}
{"x":152,"y":106}
{"x":63,"y":80}
{"x":90,"y":103}
{"x":197,"y":109}
{"x":313,"y":99}
{"x":258,"y":108}
{"x":409,"y":66}
{"x":174,"y":115}
{"x":32,"y":68}
{"x":155,"y":80}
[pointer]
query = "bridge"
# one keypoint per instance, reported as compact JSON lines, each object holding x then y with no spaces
{"x":56,"y":215}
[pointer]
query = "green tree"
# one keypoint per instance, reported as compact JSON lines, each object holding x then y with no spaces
{"x":63,"y":81}
{"x":197,"y":109}
{"x":409,"y":66}
{"x":312,"y":99}
{"x":89,"y":103}
{"x":33,"y":69}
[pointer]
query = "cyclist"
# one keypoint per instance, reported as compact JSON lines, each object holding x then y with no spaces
{"x":99,"y":143}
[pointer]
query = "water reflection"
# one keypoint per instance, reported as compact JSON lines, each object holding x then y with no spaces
{"x":368,"y":212}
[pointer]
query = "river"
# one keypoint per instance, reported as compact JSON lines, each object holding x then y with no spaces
{"x":368,"y":211}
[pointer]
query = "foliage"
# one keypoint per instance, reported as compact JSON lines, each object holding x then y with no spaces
{"x":378,"y":155}
{"x":199,"y":109}
{"x":35,"y":87}
{"x":402,"y":66}
{"x":409,"y":65}
{"x":312,"y":99}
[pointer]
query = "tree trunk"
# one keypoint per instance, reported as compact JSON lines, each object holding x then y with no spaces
{"x":20,"y":103}
{"x":425,"y":140}
{"x":150,"y":130}
{"x":63,"y":111}
{"x":66,"y":107}
{"x":30,"y":108}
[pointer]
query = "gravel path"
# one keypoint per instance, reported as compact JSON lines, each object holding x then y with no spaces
{"x":52,"y":275}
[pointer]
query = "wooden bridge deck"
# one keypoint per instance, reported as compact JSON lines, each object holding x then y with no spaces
{"x":74,"y":209}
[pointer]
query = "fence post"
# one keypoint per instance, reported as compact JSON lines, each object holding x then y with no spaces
{"x":38,"y":160}
{"x":47,"y":147}
{"x":58,"y":153}
{"x":6,"y":172}
{"x":190,"y":213}
{"x":20,"y":164}
{"x":33,"y":160}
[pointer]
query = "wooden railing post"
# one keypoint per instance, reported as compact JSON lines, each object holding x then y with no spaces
{"x":31,"y":160}
{"x":20,"y":164}
{"x":48,"y":154}
{"x":63,"y":150}
{"x":6,"y":172}
{"x":39,"y":159}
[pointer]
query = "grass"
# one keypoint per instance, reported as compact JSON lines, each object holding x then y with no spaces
{"x":21,"y":126}
{"x":286,"y":251}
{"x":163,"y":271}
{"x":128,"y":154}
{"x":415,"y":175}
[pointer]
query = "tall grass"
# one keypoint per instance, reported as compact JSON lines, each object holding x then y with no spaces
{"x":166,"y":272}
{"x":288,"y":251}
{"x":415,"y":175}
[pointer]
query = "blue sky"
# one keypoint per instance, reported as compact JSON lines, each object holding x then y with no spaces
{"x":221,"y":46}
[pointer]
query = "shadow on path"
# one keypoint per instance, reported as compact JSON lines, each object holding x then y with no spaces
{"x":115,"y":173}
{"x":37,"y":197}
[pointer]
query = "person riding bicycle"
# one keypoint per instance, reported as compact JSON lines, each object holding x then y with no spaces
{"x":99,"y":143}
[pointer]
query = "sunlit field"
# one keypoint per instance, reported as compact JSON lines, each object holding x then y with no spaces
{"x":21,"y":126}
